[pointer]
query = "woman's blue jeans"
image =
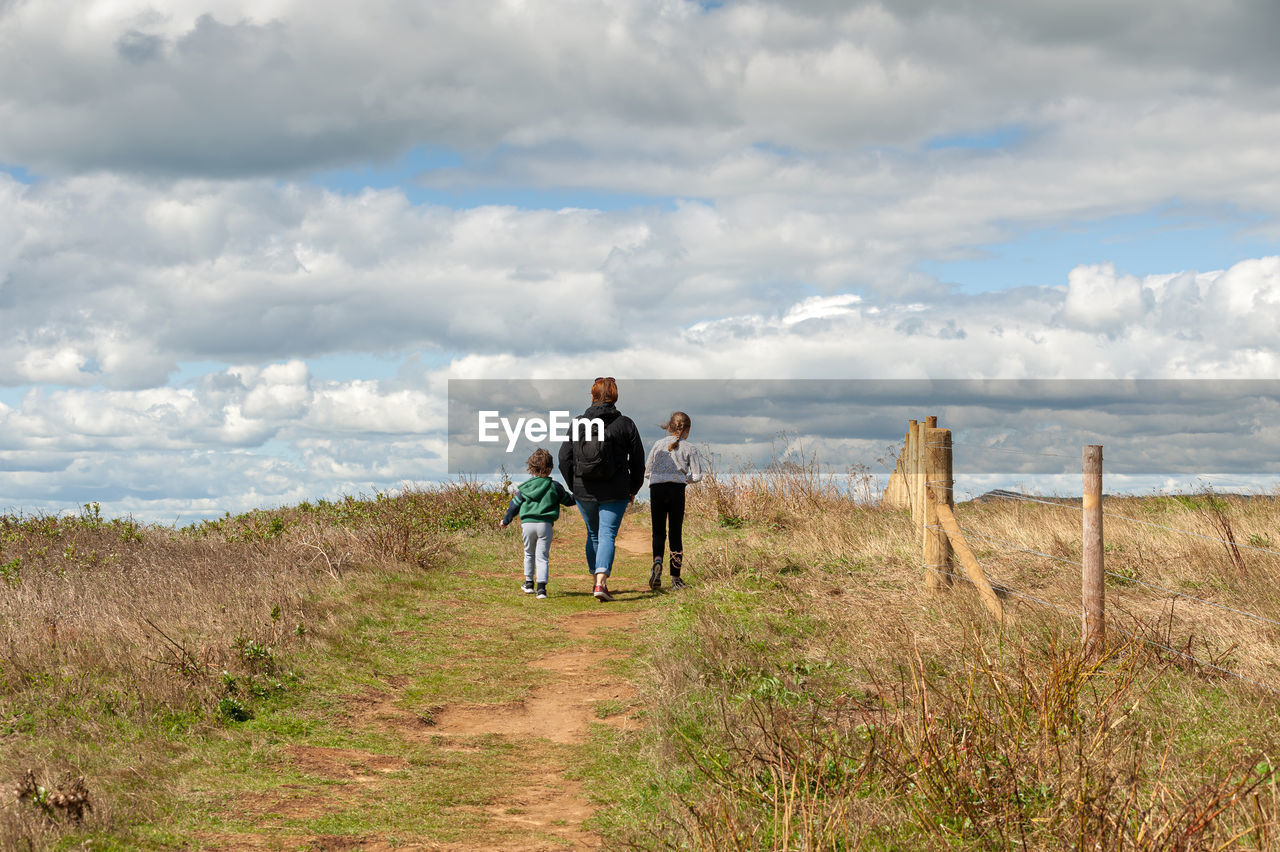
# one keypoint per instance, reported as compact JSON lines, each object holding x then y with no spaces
{"x":602,"y":520}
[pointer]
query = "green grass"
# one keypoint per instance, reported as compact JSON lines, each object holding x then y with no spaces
{"x":802,"y":692}
{"x":462,"y":633}
{"x":458,"y":632}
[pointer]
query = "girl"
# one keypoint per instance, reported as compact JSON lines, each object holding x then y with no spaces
{"x":538,"y":500}
{"x":673,"y":462}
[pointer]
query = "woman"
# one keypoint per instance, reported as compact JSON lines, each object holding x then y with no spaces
{"x":604,"y":477}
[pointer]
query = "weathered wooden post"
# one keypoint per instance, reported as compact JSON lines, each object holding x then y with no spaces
{"x":938,"y":489}
{"x":917,"y":486}
{"x":921,"y":450}
{"x":1093,"y":577}
{"x":909,"y":468}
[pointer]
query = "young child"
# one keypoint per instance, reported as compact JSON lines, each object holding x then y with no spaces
{"x":673,"y":463}
{"x":538,"y":500}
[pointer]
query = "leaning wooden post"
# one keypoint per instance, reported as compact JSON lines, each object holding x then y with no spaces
{"x":1093,"y":578}
{"x":938,"y":484}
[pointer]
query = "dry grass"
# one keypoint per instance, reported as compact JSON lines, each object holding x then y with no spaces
{"x":117,"y":633}
{"x":811,"y":696}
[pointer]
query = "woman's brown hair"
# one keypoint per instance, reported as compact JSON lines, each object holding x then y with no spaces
{"x":676,"y":424}
{"x":605,"y":389}
{"x":539,"y":463}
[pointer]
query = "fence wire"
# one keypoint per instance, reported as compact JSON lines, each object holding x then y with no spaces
{"x":1192,"y":534}
{"x":1002,"y":449}
{"x":1008,"y":545}
{"x":1074,"y":506}
{"x":1002,"y":588}
{"x":1015,"y":495}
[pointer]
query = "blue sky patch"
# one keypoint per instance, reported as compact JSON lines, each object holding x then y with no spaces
{"x":410,"y":175}
{"x":402,"y":173}
{"x":997,"y":138}
{"x":12,"y":395}
{"x":1157,"y":242}
{"x":18,"y":173}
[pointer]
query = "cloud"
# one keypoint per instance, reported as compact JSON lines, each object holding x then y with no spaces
{"x":111,"y":281}
{"x":230,"y":88}
{"x":230,"y":440}
{"x":1100,"y":300}
{"x":275,"y":433}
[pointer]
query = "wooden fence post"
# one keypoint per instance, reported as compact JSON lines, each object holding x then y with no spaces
{"x":938,"y":484}
{"x":1093,"y":577}
{"x":918,"y":492}
{"x":909,"y":467}
{"x":917,"y":488}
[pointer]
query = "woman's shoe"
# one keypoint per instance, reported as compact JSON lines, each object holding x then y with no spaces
{"x":542,"y":591}
{"x":602,"y":591}
{"x":655,"y":576}
{"x":527,"y":588}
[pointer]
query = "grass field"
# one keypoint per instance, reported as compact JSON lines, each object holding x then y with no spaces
{"x":366,"y":674}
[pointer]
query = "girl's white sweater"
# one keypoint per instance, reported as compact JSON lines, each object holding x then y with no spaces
{"x":683,"y":466}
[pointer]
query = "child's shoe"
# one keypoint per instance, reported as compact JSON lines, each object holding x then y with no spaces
{"x":542,"y":591}
{"x":527,"y":588}
{"x":655,"y":576}
{"x":677,"y":562}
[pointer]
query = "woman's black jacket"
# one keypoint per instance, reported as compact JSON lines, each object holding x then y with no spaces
{"x":624,"y":445}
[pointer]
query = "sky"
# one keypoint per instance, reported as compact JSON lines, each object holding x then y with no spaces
{"x":245,"y":246}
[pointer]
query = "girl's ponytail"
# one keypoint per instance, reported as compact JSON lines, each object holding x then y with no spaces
{"x":676,"y":424}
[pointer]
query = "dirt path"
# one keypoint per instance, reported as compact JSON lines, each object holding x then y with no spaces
{"x":544,"y":808}
{"x":577,"y":692}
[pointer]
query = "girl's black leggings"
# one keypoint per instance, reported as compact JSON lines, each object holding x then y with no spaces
{"x":666,"y":503}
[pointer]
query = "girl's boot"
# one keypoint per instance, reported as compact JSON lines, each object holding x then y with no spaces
{"x":677,"y":559}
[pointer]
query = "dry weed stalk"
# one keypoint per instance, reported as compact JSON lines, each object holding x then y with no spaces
{"x":70,"y":798}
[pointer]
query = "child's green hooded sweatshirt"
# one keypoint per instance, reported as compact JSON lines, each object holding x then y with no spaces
{"x":539,"y":499}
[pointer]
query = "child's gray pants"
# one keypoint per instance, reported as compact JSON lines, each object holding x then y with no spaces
{"x":537,"y":548}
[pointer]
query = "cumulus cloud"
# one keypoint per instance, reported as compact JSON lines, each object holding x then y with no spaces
{"x":109,"y":281}
{"x":275,"y":433}
{"x":1098,"y":299}
{"x":230,"y":88}
{"x":224,"y":440}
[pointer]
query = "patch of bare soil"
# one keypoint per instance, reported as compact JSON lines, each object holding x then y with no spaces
{"x":292,"y":801}
{"x":380,"y":709}
{"x":634,"y":540}
{"x":343,"y":763}
{"x":545,"y":813}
